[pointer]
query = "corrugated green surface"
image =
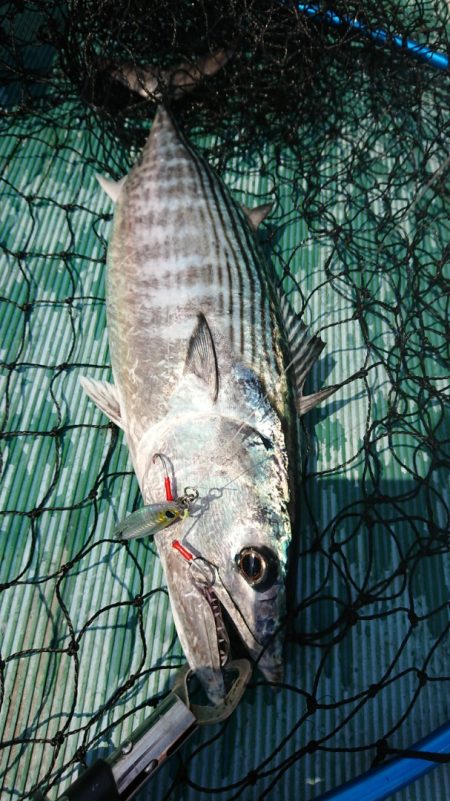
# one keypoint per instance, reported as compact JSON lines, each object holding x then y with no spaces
{"x":110,"y":601}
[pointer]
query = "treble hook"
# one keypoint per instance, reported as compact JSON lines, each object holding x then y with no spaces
{"x":167,"y":486}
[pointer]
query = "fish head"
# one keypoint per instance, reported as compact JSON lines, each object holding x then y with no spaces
{"x":225,"y":562}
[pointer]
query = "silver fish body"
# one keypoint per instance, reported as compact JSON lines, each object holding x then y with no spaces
{"x":181,"y":246}
{"x":199,"y":359}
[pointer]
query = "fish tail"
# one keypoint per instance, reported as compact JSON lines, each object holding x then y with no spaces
{"x":157,"y":83}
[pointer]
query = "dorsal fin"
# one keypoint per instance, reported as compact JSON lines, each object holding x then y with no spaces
{"x":304,"y":350}
{"x":201,"y":357}
{"x":256,"y":215}
{"x":112,"y":188}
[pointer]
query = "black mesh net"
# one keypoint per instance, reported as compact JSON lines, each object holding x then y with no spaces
{"x":350,"y":137}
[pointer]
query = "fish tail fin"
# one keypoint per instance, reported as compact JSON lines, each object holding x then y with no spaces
{"x":158,"y":83}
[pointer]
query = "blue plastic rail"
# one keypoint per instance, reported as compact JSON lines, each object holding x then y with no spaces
{"x":439,"y":60}
{"x":391,"y":776}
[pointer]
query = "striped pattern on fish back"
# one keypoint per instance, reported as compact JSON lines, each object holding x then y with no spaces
{"x":181,"y":246}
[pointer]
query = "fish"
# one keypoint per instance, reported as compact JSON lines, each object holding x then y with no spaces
{"x":209,"y":363}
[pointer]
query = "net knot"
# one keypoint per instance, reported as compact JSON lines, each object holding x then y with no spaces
{"x":368,"y":519}
{"x":252,"y":777}
{"x":311,"y":704}
{"x":58,"y":739}
{"x":80,"y":753}
{"x":182,"y":774}
{"x":312,"y":747}
{"x":422,"y":676}
{"x":137,"y":601}
{"x":336,"y":232}
{"x":412,"y":617}
{"x":72,"y":648}
{"x":351,"y":616}
{"x":382,"y":749}
{"x":392,"y":413}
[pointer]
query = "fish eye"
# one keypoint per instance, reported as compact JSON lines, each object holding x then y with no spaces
{"x":170,"y":515}
{"x":258,"y":566}
{"x":252,"y":565}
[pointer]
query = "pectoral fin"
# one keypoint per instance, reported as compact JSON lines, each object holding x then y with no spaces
{"x":105,"y":397}
{"x":201,"y":359}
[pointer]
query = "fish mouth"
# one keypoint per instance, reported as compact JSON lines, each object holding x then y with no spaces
{"x":266,"y":655}
{"x":203,"y":578}
{"x":234,"y":636}
{"x":212,"y":627}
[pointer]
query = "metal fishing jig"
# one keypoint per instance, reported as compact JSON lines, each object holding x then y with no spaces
{"x":154,"y":517}
{"x":147,"y":521}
